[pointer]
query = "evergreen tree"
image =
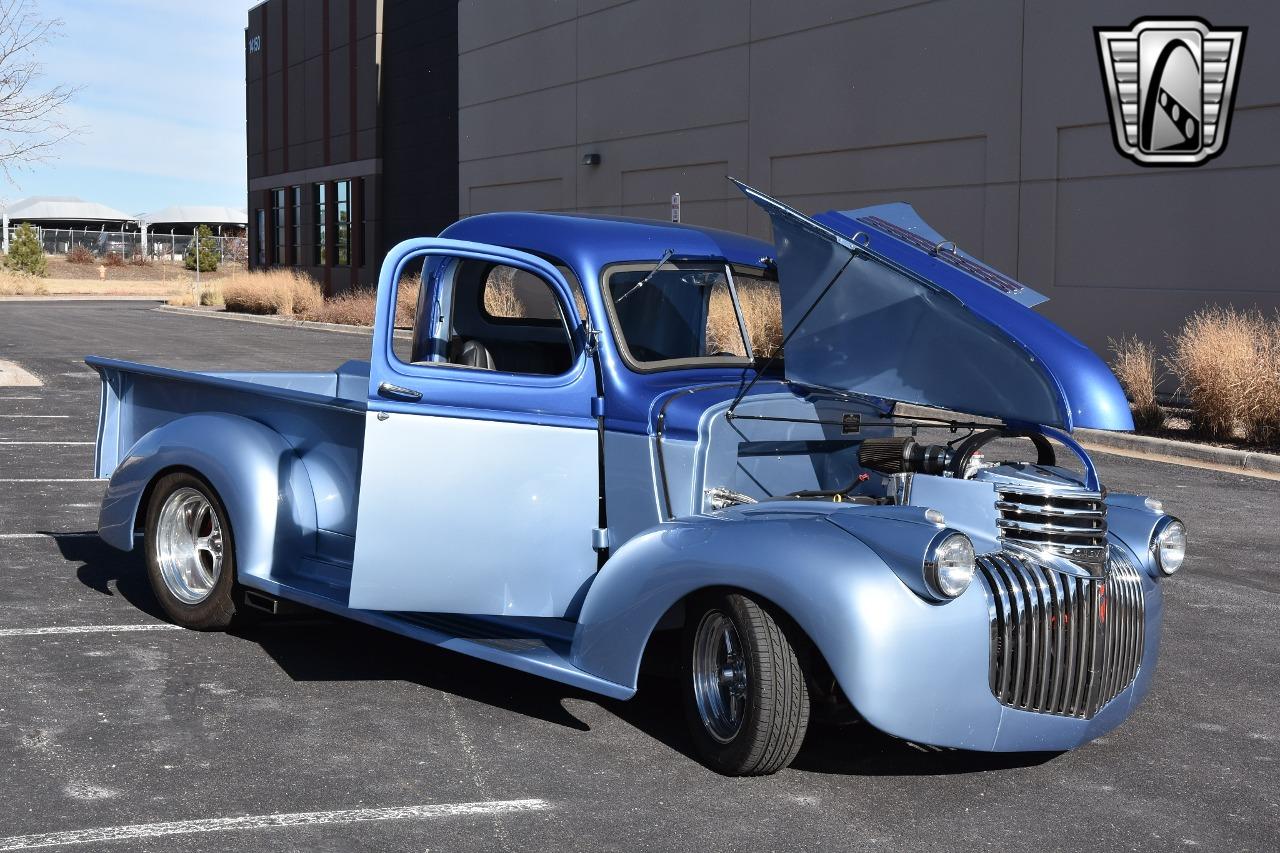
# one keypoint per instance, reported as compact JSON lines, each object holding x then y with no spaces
{"x":208,"y":251}
{"x":26,"y":253}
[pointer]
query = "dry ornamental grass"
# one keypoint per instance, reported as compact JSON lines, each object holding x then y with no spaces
{"x":287,"y":293}
{"x":761,"y":311}
{"x":281,"y":291}
{"x":17,"y":284}
{"x":1135,"y":367}
{"x":1228,"y":365}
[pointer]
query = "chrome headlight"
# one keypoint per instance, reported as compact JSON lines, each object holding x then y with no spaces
{"x":949,"y":565}
{"x":1169,"y":545}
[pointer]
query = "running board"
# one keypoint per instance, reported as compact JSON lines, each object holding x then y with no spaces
{"x":541,"y":653}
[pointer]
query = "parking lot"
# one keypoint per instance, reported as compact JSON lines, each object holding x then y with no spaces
{"x":118,"y":732}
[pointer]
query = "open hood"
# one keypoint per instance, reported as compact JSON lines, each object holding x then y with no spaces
{"x":877,"y":302}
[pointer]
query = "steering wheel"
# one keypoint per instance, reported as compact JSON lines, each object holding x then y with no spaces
{"x":971,"y":445}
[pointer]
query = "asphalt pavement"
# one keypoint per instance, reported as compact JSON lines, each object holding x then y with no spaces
{"x":322,"y":735}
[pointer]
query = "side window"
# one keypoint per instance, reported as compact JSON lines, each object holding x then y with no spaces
{"x":513,"y":294}
{"x":408,"y":291}
{"x":479,"y":316}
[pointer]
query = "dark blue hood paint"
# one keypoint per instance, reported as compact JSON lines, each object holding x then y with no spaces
{"x":900,"y":319}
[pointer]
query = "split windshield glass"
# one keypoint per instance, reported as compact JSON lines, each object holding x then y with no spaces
{"x":679,"y":313}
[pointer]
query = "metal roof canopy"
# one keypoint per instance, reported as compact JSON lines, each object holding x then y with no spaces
{"x":63,"y":209}
{"x":194,"y":214}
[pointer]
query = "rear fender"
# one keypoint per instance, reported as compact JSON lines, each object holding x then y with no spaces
{"x":260,"y":479}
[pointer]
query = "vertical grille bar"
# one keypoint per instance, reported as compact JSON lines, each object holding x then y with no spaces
{"x":1058,"y":588}
{"x":1062,"y":644}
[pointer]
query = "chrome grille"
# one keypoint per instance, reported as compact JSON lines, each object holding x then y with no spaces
{"x":1067,"y":524}
{"x":1062,"y":644}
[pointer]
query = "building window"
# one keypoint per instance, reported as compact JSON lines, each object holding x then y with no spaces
{"x":320,"y":193}
{"x":277,"y":225}
{"x":260,"y":219}
{"x":296,"y":237}
{"x":361,"y":223}
{"x":342,"y":202}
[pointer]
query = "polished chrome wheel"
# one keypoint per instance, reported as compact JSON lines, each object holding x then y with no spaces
{"x":188,"y":545}
{"x":719,"y":670}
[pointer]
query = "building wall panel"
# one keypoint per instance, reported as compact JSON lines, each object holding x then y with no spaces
{"x":989,"y":117}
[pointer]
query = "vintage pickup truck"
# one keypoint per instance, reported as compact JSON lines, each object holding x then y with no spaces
{"x":587,"y":438}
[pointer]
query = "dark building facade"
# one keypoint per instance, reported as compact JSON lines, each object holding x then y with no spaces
{"x":351,"y":124}
{"x":989,"y":116}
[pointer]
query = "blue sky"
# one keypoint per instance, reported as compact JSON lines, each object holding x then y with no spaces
{"x":162,"y":104}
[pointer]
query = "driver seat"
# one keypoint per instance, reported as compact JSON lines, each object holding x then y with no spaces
{"x":474,"y":354}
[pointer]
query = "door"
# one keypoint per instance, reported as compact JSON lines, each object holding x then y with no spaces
{"x":480,"y":486}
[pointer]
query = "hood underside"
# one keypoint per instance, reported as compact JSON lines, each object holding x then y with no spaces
{"x":876,"y":302}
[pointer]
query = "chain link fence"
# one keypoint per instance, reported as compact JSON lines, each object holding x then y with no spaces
{"x":128,"y":244}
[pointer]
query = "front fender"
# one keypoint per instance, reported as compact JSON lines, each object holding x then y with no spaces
{"x":905,"y":663}
{"x":255,"y":471}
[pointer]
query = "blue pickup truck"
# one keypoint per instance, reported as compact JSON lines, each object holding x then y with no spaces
{"x":594,"y":432}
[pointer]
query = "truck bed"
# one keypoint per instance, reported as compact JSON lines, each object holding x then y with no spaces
{"x":320,"y":414}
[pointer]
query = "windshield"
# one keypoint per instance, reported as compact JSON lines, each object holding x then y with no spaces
{"x":686,"y":312}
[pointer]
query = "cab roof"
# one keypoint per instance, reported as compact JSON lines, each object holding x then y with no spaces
{"x":589,"y":242}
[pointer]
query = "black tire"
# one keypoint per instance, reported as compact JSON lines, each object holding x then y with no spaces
{"x":217,"y":609}
{"x":774,"y":713}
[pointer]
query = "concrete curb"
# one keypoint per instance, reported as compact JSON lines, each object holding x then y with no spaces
{"x":1247,"y":461}
{"x":267,"y":320}
{"x":82,"y":297}
{"x":1168,"y":450}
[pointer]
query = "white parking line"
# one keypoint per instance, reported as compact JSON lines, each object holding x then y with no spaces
{"x":34,"y":416}
{"x":76,"y":535}
{"x":53,"y":479}
{"x":87,"y":629}
{"x":2,"y":397}
{"x":270,"y":821}
{"x":86,"y":443}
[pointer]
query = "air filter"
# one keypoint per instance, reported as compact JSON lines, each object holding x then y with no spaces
{"x":886,"y":455}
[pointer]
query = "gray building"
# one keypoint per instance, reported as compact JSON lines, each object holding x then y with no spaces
{"x":351,"y":131}
{"x":989,"y":117}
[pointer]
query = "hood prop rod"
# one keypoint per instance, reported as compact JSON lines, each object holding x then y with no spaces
{"x":782,"y":347}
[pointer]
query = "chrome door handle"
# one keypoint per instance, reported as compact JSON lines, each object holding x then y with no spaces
{"x":395,"y":392}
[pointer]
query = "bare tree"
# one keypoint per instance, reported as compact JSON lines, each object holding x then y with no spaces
{"x":30,"y":123}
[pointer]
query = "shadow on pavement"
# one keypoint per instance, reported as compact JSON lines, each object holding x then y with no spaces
{"x":322,"y":648}
{"x":102,"y":567}
{"x":319,"y":647}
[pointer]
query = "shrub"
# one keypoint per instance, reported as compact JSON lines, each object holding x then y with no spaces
{"x":278,"y":291}
{"x":1135,"y":367}
{"x":208,"y":248}
{"x":211,"y":295}
{"x":353,"y":308}
{"x":26,"y":252}
{"x":1262,"y":420}
{"x":359,"y":307}
{"x":137,"y":259}
{"x":761,"y":311}
{"x":1225,"y":363}
{"x":500,"y":297}
{"x":407,"y":301}
{"x":20,"y":284}
{"x":113,"y":259}
{"x":79,"y":254}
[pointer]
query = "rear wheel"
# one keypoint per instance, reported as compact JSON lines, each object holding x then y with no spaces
{"x":190,"y":558}
{"x":744,"y":688}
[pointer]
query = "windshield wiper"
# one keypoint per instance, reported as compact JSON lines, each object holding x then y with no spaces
{"x":666,"y":256}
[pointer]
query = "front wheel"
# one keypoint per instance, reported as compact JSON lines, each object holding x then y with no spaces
{"x":190,"y":559}
{"x":744,"y":688}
